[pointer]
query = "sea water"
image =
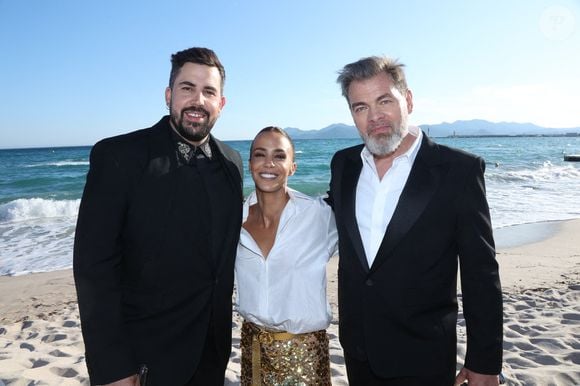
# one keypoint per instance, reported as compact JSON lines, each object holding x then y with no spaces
{"x":527,"y":181}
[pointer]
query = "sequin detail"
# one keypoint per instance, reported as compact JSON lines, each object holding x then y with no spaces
{"x":188,"y":152}
{"x":302,"y":360}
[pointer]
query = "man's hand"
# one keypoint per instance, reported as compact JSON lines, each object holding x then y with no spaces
{"x":476,"y":379}
{"x":133,"y":380}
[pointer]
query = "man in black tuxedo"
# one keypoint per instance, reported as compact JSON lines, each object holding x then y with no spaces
{"x":156,"y":238}
{"x":408,"y":212}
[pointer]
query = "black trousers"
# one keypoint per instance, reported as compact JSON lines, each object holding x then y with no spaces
{"x":210,"y":370}
{"x":359,"y":373}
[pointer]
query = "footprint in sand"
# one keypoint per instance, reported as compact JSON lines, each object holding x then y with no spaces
{"x":507,"y":345}
{"x":32,"y":335}
{"x":524,"y":346}
{"x":59,"y":354}
{"x":70,"y":323}
{"x":27,"y":346}
{"x":65,"y":373}
{"x":53,"y":338}
{"x":520,"y":307}
{"x":337,"y":359}
{"x":519,"y":362}
{"x":36,"y":363}
{"x":541,"y":359}
{"x":550,"y":345}
{"x":574,"y":358}
{"x":571,"y":316}
{"x":335,"y":373}
{"x":540,"y":328}
{"x":523,"y":330}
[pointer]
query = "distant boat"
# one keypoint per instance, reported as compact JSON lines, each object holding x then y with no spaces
{"x":572,"y":157}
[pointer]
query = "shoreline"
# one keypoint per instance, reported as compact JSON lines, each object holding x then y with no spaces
{"x":16,"y":290}
{"x":40,"y":337}
{"x":505,"y":237}
{"x":518,"y":235}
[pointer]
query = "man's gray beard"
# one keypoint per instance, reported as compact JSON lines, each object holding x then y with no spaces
{"x":383,"y":144}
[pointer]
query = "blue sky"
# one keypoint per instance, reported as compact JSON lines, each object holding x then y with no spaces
{"x":73,"y":72}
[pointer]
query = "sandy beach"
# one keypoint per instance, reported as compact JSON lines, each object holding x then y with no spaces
{"x":41,"y":342}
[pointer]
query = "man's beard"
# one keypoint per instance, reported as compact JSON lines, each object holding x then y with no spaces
{"x":381,"y":145}
{"x":193,"y":132}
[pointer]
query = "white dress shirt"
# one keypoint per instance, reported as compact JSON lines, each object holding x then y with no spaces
{"x":376,"y":199}
{"x":286,"y":291}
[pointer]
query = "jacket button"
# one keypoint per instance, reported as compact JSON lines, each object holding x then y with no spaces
{"x":369,"y":282}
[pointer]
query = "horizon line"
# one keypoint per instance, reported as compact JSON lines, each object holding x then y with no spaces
{"x":577,"y":128}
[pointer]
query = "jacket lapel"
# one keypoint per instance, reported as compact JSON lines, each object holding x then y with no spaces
{"x":351,"y":173}
{"x":421,"y":185}
{"x":232,"y":164}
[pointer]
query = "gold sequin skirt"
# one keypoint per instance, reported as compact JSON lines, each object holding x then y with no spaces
{"x":282,"y":359}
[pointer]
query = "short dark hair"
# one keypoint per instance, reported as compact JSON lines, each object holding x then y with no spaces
{"x":367,"y":68}
{"x":198,"y":55}
{"x":274,"y":129}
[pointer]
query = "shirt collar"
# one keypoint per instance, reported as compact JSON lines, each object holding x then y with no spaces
{"x":253,"y":199}
{"x":187,"y":151}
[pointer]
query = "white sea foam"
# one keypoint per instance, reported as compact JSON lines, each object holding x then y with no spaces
{"x":36,"y":245}
{"x":59,"y":164}
{"x":546,"y":173}
{"x":547,"y":193}
{"x":36,"y":235}
{"x":37,"y":208}
{"x":530,"y":183}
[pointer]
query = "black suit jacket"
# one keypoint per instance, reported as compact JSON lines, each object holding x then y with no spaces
{"x":400,"y":314}
{"x":144,"y":294}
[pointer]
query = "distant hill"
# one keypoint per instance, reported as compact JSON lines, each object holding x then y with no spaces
{"x":337,"y":130}
{"x":479,"y":127}
{"x":474,"y":127}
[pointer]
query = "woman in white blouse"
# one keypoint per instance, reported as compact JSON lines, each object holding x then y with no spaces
{"x":286,"y":240}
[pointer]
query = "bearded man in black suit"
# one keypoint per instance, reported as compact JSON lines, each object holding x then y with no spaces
{"x":156,"y":238}
{"x":408,"y":212}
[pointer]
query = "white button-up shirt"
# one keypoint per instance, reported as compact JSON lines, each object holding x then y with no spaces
{"x":376,"y":199}
{"x":287,"y":290}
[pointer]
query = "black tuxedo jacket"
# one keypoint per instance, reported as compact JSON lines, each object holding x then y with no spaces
{"x":144,"y":294}
{"x":400,"y":314}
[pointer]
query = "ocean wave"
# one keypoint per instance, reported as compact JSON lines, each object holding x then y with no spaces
{"x":37,"y":208}
{"x":59,"y":164}
{"x":547,"y":172}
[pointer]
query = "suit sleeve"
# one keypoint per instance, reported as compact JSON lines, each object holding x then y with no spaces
{"x":97,"y":264}
{"x":481,"y":289}
{"x":329,"y":195}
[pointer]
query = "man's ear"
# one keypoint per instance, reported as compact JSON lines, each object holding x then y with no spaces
{"x":409,"y":99}
{"x":168,"y":97}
